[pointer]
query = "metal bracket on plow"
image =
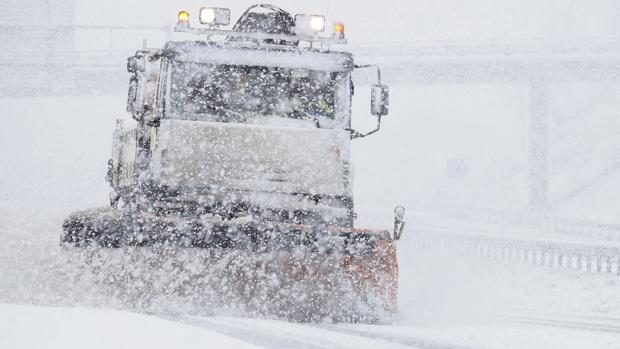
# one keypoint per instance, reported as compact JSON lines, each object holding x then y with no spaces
{"x":399,"y":223}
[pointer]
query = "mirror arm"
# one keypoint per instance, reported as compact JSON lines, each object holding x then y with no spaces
{"x":370,"y":66}
{"x":356,"y":134}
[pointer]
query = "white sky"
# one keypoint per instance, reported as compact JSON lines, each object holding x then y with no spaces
{"x":396,"y":20}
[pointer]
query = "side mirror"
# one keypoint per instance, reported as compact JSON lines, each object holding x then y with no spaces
{"x":379,"y":100}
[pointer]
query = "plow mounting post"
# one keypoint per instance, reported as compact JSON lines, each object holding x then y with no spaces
{"x":399,"y":223}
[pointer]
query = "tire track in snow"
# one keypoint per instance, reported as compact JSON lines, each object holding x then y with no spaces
{"x":393,"y":334}
{"x":281,"y":334}
{"x":589,"y":323}
{"x":245,"y":333}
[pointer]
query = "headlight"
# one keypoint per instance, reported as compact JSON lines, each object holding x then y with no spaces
{"x":214,"y":16}
{"x":317,"y":23}
{"x":309,"y":24}
{"x":207,"y":15}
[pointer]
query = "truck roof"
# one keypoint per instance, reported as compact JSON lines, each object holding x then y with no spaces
{"x":237,"y":53}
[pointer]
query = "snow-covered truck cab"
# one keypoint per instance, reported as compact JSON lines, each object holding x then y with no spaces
{"x":251,"y":124}
{"x":236,"y":180}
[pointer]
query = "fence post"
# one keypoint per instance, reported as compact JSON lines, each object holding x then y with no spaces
{"x":608,"y":263}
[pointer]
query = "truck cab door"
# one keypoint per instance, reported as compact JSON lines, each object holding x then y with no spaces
{"x":122,"y":168}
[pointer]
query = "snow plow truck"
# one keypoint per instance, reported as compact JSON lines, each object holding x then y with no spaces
{"x":233,"y":190}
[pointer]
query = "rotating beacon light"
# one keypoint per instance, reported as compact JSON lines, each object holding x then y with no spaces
{"x":339,"y":30}
{"x":183,"y":18}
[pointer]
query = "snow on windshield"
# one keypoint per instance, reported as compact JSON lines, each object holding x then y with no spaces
{"x":231,"y":92}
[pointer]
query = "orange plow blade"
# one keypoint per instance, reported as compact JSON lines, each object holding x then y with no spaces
{"x":300,"y":272}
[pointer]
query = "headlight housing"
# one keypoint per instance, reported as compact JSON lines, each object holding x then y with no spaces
{"x":214,"y":16}
{"x":309,"y":24}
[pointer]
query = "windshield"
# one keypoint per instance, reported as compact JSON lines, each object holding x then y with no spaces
{"x":232,"y":93}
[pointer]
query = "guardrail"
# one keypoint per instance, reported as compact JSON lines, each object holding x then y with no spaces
{"x":75,"y":45}
{"x":575,"y":256}
{"x":49,"y":48}
{"x":563,"y":226}
{"x":506,"y":47}
{"x":111,"y":34}
{"x":576,"y":228}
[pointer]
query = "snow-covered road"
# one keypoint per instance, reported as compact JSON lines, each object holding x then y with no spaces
{"x":24,"y":326}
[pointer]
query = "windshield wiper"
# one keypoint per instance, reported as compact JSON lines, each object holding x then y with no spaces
{"x":231,"y":112}
{"x":312,"y":118}
{"x":306,"y":116}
